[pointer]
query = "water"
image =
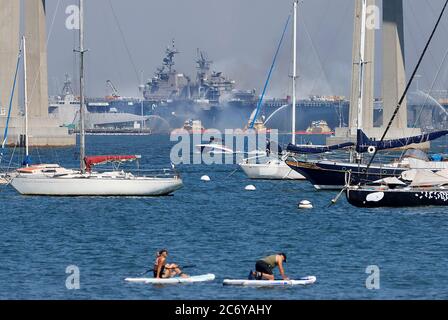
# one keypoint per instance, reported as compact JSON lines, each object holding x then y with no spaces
{"x":221,"y":229}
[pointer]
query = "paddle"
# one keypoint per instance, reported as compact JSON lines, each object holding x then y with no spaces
{"x":183,"y":267}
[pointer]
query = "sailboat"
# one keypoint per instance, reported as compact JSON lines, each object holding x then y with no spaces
{"x":54,"y":180}
{"x":414,"y":188}
{"x":331,"y":174}
{"x":418,"y":187}
{"x":277,"y":169}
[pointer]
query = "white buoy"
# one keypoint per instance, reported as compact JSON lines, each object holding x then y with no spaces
{"x":250,"y":187}
{"x":305,"y":204}
{"x":205,"y":178}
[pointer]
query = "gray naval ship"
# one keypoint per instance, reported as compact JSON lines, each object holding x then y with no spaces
{"x":174,"y":98}
{"x":171,"y":99}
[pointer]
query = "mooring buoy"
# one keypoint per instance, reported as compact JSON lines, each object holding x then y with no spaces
{"x":305,"y":204}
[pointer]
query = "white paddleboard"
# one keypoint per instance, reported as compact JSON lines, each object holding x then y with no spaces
{"x":271,"y":283}
{"x":176,"y":280}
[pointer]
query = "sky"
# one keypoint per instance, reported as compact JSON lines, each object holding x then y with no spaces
{"x":128,"y":38}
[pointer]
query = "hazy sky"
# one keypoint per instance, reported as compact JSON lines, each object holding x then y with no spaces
{"x":240,"y":36}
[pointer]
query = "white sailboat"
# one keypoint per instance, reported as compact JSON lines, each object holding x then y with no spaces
{"x":273,"y":169}
{"x":277,"y":169}
{"x":54,"y":180}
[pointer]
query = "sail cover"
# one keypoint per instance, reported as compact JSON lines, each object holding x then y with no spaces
{"x":94,"y":160}
{"x":427,"y":178}
{"x":304,"y":149}
{"x":390,"y":181}
{"x":364,"y":142}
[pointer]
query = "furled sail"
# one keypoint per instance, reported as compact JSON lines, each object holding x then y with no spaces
{"x":304,"y":149}
{"x":365,"y":144}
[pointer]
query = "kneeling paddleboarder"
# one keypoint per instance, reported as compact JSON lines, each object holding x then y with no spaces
{"x":164,"y":270}
{"x":264,"y":267}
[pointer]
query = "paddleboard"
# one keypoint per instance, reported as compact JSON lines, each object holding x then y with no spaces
{"x":271,"y":283}
{"x":176,"y":280}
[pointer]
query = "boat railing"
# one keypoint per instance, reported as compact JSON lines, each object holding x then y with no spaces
{"x":156,"y":173}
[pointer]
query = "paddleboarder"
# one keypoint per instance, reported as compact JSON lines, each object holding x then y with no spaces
{"x":268,"y":148}
{"x":264,"y":268}
{"x":273,"y":147}
{"x":164,"y":270}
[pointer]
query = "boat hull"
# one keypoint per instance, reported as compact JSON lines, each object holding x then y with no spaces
{"x":95,"y":186}
{"x":376,"y":198}
{"x":327,"y":175}
{"x":270,"y":171}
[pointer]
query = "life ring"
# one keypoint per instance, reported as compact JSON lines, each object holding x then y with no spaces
{"x":371,"y":149}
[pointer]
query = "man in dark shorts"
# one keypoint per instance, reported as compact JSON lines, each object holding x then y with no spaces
{"x":264,"y":268}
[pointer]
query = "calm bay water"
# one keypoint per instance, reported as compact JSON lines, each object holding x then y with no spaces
{"x":221,"y":229}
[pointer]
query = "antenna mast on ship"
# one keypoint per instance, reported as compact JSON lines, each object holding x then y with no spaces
{"x":67,"y":89}
{"x":203,"y":66}
{"x":169,"y":60}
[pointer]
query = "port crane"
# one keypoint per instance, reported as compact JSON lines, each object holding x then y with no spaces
{"x":115,"y":93}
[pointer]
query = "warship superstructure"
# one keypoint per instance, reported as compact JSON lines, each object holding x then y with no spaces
{"x":170,"y":99}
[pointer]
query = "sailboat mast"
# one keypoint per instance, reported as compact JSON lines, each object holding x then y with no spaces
{"x":82,"y":141}
{"x":25,"y":88}
{"x":294,"y":72}
{"x":362,"y":64}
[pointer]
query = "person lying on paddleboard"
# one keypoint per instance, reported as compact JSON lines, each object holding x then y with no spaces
{"x":264,"y":267}
{"x":164,"y":270}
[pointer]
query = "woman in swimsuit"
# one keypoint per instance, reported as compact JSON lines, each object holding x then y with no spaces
{"x":164,"y":270}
